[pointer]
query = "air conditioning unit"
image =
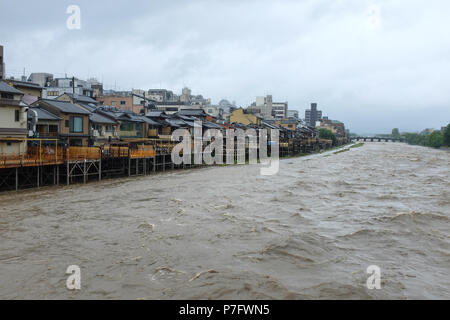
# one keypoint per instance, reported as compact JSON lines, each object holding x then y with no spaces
{"x":95,"y":133}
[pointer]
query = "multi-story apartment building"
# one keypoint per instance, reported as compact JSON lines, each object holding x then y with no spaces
{"x":60,"y":86}
{"x":264,"y":105}
{"x":279,"y":110}
{"x":312,"y":115}
{"x":292,"y":114}
{"x":160,"y":95}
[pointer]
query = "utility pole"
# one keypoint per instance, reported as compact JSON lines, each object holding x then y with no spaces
{"x":73,"y":89}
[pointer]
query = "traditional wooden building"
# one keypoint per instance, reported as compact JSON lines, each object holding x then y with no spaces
{"x":43,"y":124}
{"x":13,"y":120}
{"x":74,"y":123}
{"x":27,"y":88}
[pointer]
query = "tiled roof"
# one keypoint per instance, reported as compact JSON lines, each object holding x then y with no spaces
{"x":43,"y":114}
{"x":81,"y":98}
{"x":65,"y":106}
{"x":4,"y":87}
{"x":98,"y":118}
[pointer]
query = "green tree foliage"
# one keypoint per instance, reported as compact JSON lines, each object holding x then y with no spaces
{"x":327,"y":134}
{"x":436,"y":139}
{"x":447,"y":136}
{"x":395,"y":133}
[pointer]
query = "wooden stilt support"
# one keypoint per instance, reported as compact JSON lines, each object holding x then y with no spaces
{"x":84,"y":172}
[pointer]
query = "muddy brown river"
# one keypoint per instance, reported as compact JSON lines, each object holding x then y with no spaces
{"x":309,"y":232}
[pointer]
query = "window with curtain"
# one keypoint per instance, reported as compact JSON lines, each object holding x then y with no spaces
{"x":76,"y":124}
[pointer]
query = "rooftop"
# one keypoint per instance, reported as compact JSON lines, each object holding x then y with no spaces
{"x":43,"y":114}
{"x":98,"y":118}
{"x":25,"y":84}
{"x":64,"y":106}
{"x":81,"y":98}
{"x":6,"y":88}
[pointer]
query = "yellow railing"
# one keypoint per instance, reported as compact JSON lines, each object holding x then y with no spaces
{"x":83,"y":153}
{"x":115,"y":151}
{"x":147,"y":151}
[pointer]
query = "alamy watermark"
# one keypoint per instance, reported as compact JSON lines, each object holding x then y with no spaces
{"x":73,"y":282}
{"x":190,"y":148}
{"x":374,"y":280}
{"x":73,"y":22}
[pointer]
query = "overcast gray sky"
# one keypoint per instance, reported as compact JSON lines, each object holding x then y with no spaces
{"x":374,"y":65}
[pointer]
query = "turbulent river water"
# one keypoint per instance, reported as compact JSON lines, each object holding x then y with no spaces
{"x":309,"y":232}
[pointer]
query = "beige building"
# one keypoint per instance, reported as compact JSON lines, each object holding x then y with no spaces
{"x":240,"y":116}
{"x":13,"y":121}
{"x":264,"y":104}
{"x":28,"y":88}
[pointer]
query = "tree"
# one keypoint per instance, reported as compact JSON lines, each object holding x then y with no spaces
{"x":434,"y":139}
{"x":395,"y":133}
{"x":327,"y":134}
{"x":447,"y":136}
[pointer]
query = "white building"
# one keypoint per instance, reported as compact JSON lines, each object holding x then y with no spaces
{"x":60,"y":86}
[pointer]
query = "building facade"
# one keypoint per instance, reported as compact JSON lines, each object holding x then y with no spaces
{"x":41,"y":78}
{"x":292,"y":114}
{"x":337,"y":127}
{"x":279,"y":110}
{"x":13,"y":121}
{"x":312,"y":115}
{"x":60,"y":86}
{"x":245,"y":118}
{"x":74,"y":123}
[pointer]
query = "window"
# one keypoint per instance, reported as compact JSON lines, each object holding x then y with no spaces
{"x":7,"y":96}
{"x":113,"y":103}
{"x":67,"y":124}
{"x":17,"y":115}
{"x":53,"y":93}
{"x":123,"y":102}
{"x":127,"y":126}
{"x":76,"y":124}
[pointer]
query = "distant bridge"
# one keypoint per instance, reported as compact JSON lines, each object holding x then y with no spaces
{"x":377,"y":139}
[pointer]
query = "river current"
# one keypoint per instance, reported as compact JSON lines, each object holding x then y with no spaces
{"x":308,"y":232}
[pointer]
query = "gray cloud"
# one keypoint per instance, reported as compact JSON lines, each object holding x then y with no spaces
{"x":372,"y":73}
